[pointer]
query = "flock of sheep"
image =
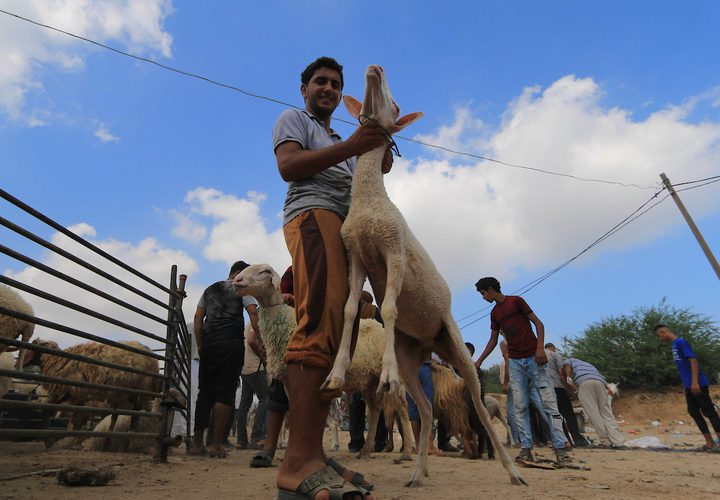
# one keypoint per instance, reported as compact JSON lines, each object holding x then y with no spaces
{"x":76,"y":370}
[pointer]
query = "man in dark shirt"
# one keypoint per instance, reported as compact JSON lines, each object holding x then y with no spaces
{"x":219,"y":333}
{"x":513,"y":316}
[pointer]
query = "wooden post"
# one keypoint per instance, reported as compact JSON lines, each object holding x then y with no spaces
{"x":691,"y":223}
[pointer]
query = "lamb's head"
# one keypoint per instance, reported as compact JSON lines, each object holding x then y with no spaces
{"x":378,"y":104}
{"x":259,"y":280}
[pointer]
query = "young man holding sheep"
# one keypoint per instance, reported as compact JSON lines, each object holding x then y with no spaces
{"x":318,"y":167}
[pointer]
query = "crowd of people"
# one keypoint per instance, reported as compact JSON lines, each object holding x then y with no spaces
{"x":318,"y":166}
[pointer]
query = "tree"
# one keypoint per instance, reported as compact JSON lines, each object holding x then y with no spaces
{"x":491,"y":380}
{"x":624,"y":349}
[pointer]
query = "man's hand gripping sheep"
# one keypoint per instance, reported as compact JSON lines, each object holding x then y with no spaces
{"x":415,"y":298}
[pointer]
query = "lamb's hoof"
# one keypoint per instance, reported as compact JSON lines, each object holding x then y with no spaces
{"x":518,"y":480}
{"x":363,"y":454}
{"x":388,"y":448}
{"x":332,"y":384}
{"x":391,"y":388}
{"x":413,"y":483}
{"x":405,"y":458}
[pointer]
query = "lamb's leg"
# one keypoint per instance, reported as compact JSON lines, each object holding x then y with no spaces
{"x":409,"y":360}
{"x":336,"y":378}
{"x":450,"y":346}
{"x":390,"y":378}
{"x":373,"y":410}
{"x":408,"y":443}
{"x":332,"y":423}
{"x":499,"y":415}
{"x":390,"y":414}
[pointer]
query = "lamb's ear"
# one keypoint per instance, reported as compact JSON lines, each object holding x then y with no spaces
{"x":353,"y":105}
{"x":406,"y":120}
{"x":275,"y":280}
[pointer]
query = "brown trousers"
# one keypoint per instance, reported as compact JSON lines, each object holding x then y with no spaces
{"x":320,"y":282}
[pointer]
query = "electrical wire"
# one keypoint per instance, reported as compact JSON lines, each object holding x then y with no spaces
{"x":699,"y":180}
{"x":617,"y":227}
{"x":278,"y":101}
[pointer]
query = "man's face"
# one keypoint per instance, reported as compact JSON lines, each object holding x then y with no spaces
{"x":663,"y":334}
{"x":488,"y":295}
{"x":322,"y":93}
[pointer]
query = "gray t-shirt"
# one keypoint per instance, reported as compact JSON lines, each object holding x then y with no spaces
{"x":329,"y":189}
{"x":223,"y":312}
{"x":555,"y":363}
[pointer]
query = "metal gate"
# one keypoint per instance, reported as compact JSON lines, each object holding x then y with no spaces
{"x":163,"y":323}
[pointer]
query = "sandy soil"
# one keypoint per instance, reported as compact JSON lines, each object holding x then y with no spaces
{"x":613,"y":473}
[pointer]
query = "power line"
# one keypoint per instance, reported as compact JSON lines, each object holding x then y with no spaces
{"x":278,"y":101}
{"x":699,"y":180}
{"x":619,"y":226}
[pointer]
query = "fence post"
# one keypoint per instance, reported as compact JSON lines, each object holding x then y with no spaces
{"x":161,"y":448}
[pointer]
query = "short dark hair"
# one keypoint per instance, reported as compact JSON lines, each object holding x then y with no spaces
{"x":238,"y":266}
{"x":367,"y":297}
{"x":549,"y":345}
{"x":486,"y":283}
{"x":658,"y":326}
{"x":470,"y":347}
{"x":322,"y":62}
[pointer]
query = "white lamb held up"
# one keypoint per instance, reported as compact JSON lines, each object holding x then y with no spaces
{"x":414,"y":296}
{"x":277,"y":322}
{"x":10,"y":327}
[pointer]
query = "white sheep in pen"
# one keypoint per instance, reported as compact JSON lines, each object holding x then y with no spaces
{"x":12,"y":328}
{"x":414,"y":296}
{"x":277,"y":322}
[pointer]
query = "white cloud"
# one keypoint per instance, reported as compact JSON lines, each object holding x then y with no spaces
{"x":480,"y":217}
{"x":237,"y":229}
{"x":148,"y":256}
{"x":136,"y":25}
{"x":186,"y":228}
{"x":103,"y":133}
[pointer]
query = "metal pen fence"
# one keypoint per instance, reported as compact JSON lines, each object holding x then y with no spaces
{"x":126,"y":305}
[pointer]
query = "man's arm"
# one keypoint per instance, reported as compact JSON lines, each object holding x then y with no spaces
{"x":198,"y":326}
{"x":488,"y":348}
{"x":695,"y":371}
{"x":256,"y":344}
{"x":254,"y":320}
{"x":566,"y":377}
{"x":540,"y":356}
{"x":296,"y":163}
{"x":506,"y":373}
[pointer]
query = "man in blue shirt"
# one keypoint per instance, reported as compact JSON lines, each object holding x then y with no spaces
{"x":696,"y":384}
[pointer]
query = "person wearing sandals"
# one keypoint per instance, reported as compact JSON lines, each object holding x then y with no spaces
{"x":219,"y":327}
{"x":697,"y":395}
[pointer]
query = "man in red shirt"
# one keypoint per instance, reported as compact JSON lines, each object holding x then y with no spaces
{"x":526,"y":366}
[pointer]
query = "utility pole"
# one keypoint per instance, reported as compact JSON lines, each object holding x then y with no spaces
{"x":693,"y":227}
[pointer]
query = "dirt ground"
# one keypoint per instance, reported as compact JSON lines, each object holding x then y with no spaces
{"x":635,"y":473}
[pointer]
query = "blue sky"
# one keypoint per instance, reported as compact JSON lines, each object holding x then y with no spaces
{"x":160,"y":168}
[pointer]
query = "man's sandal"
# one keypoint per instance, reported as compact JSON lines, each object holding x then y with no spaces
{"x":357,"y":479}
{"x":324,"y":479}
